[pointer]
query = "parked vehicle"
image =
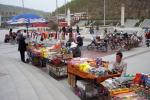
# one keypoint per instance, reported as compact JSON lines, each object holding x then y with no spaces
{"x":101,"y":46}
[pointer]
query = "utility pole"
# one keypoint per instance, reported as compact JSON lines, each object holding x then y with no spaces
{"x":57,"y":18}
{"x":23,"y":5}
{"x":65,"y":7}
{"x":87,"y":14}
{"x":122,"y":14}
{"x":57,"y":10}
{"x":104,"y":13}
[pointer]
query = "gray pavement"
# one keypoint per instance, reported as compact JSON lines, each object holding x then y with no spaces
{"x":137,"y":60}
{"x":20,"y":81}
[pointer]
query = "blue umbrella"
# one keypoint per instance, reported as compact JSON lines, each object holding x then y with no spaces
{"x":26,"y":19}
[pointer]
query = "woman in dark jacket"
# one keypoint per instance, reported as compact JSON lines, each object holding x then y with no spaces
{"x":75,"y":50}
{"x":22,"y":48}
{"x":80,"y":41}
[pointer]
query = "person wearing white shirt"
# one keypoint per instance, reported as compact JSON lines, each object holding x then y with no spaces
{"x":119,"y":65}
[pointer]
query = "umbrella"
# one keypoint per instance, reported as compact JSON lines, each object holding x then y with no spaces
{"x":26,"y":19}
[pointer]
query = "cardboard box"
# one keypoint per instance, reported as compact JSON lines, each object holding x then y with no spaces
{"x":67,"y":56}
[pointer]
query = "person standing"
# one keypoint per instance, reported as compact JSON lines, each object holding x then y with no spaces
{"x":91,"y":30}
{"x":71,"y":38}
{"x":25,"y":33}
{"x":75,"y":50}
{"x":64,"y":29}
{"x":97,"y":30}
{"x":78,"y":29}
{"x":22,"y":48}
{"x":59,"y":33}
{"x":70,"y":30}
{"x":10,"y":33}
{"x":147,"y":37}
{"x":80,"y":41}
{"x":64,"y":32}
{"x":19,"y":34}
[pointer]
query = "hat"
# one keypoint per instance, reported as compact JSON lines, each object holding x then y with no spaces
{"x":73,"y":45}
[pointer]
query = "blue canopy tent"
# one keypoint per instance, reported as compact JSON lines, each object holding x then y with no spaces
{"x":26,"y":19}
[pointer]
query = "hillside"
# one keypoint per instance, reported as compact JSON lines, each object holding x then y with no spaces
{"x":134,"y":8}
{"x":4,"y":9}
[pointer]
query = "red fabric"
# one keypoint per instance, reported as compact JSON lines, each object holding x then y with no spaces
{"x":147,"y":35}
{"x":40,"y":25}
{"x":137,"y":78}
{"x":56,"y":61}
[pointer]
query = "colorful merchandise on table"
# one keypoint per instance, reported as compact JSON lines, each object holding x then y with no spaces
{"x":143,"y":79}
{"x":118,"y":82}
{"x":119,"y":91}
{"x":128,"y":96}
{"x":52,"y":57}
{"x":86,"y":68}
{"x":148,"y":81}
{"x":42,"y":51}
{"x":92,"y":66}
{"x":98,"y":61}
{"x":141,"y":90}
{"x":138,"y":85}
{"x":141,"y":85}
{"x":129,"y":87}
{"x":57,"y":62}
{"x":137,"y":78}
{"x":39,"y":54}
{"x":64,"y":50}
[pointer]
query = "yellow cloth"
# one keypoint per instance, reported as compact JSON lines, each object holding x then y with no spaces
{"x":44,"y":52}
{"x":84,"y":67}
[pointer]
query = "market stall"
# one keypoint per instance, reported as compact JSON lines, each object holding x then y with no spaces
{"x":129,"y":87}
{"x":90,"y":72}
{"x":88,"y":81}
{"x":35,"y":55}
{"x":53,"y":57}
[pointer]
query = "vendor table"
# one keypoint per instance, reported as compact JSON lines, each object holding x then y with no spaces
{"x":72,"y":69}
{"x":74,"y":74}
{"x":37,"y":58}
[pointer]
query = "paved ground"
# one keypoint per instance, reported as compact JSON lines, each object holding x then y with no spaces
{"x":20,"y":81}
{"x":137,"y":60}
